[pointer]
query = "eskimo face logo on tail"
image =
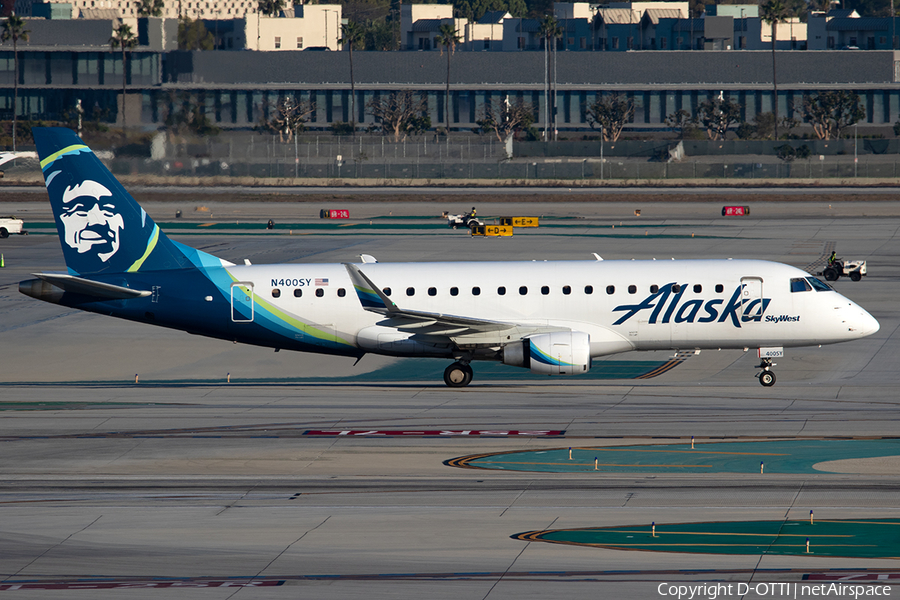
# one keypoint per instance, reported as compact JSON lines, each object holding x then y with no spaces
{"x":666,"y":306}
{"x":91,"y":221}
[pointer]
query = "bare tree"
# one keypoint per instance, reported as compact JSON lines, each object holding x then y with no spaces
{"x":831,"y":112}
{"x":505,"y":119}
{"x":611,"y":114}
{"x":185,"y":113}
{"x":286,"y":118}
{"x":682,"y":122}
{"x":399,"y":114}
{"x":717,"y":115}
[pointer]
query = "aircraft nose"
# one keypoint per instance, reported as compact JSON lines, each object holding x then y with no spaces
{"x":868,"y":324}
{"x":862,"y":323}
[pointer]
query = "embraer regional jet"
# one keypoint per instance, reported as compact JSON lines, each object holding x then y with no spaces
{"x":550,"y":317}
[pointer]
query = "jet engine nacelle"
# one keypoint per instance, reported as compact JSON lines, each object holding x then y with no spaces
{"x":556,"y":353}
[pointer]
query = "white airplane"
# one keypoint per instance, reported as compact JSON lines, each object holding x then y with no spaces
{"x":550,"y":317}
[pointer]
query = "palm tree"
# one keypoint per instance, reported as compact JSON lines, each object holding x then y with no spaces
{"x":270,"y":7}
{"x":151,"y":8}
{"x":774,"y":12}
{"x":14,"y":29}
{"x":126,"y":40}
{"x":550,"y":31}
{"x":351,"y":33}
{"x":447,"y":38}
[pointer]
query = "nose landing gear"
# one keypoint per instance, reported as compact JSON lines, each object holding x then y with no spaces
{"x":459,"y":374}
{"x":766,"y":376}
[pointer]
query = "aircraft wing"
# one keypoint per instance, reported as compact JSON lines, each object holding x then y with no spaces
{"x":461,"y":329}
{"x":79,"y":285}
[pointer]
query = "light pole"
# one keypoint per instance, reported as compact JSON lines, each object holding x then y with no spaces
{"x":601,"y":152}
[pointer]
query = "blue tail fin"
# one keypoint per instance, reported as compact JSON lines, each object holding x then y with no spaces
{"x":102,"y":229}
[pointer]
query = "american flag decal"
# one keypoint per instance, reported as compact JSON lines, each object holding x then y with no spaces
{"x":320,"y":281}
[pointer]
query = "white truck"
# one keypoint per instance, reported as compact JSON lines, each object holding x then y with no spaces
{"x":10,"y":225}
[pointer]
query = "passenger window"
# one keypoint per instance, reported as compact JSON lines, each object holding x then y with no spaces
{"x":387,"y":291}
{"x":654,"y":288}
{"x":320,"y":292}
{"x":818,"y":285}
{"x":341,"y":292}
{"x":676,"y":288}
{"x":501,"y":291}
{"x":276,"y":293}
{"x":432,"y":291}
{"x":720,"y":288}
{"x":588,"y":289}
{"x":545,"y":289}
{"x":632,"y":289}
{"x":476,"y":291}
{"x":410,"y":291}
{"x":567,"y":290}
{"x":298,"y":293}
{"x":698,"y":288}
{"x":454,"y":291}
{"x":523,"y":290}
{"x":610,"y":289}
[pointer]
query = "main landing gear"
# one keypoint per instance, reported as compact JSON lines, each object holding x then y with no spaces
{"x":766,"y":376}
{"x":459,"y":374}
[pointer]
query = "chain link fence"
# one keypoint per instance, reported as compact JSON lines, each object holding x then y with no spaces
{"x":307,"y":149}
{"x":505,"y":170}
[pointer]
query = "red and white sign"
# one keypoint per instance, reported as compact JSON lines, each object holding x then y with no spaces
{"x":432,"y":432}
{"x":339,"y":214}
{"x":735,"y":211}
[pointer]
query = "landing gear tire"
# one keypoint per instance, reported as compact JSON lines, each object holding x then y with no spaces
{"x":767,"y":378}
{"x":458,"y":375}
{"x":831,"y":274}
{"x":855,"y":276}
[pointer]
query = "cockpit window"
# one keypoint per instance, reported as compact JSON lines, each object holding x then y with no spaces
{"x":819,"y":285}
{"x":798,"y":284}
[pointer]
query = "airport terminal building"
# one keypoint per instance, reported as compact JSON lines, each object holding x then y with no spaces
{"x":235,"y":88}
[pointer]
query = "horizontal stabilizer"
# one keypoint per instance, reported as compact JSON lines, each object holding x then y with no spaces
{"x":86,"y":287}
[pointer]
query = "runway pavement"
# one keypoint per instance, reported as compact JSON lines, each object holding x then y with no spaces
{"x":308,"y":477}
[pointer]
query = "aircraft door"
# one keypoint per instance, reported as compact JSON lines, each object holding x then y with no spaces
{"x":751,"y":299}
{"x":242,"y":305}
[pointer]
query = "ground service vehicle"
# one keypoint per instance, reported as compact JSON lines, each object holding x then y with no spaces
{"x":10,"y":225}
{"x":854,"y":269}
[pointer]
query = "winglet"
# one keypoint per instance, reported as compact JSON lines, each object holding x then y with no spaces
{"x":369,"y":295}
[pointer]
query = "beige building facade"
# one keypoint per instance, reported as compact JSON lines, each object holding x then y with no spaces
{"x":312,"y":26}
{"x":128,"y":9}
